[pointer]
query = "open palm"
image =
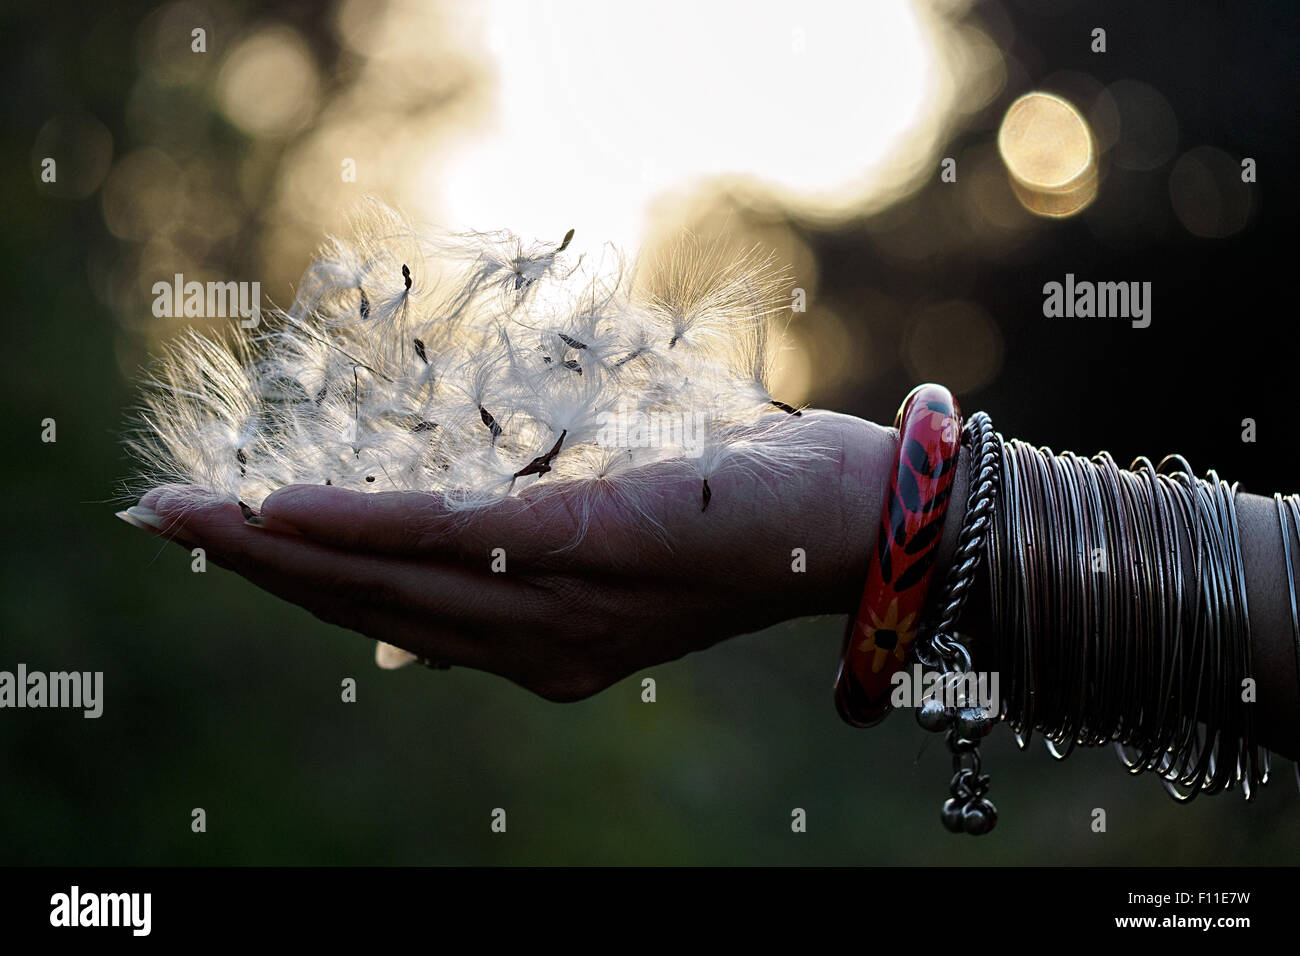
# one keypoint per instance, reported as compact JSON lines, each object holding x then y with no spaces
{"x":563,"y":590}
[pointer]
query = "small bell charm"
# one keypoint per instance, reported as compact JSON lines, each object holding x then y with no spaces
{"x":978,"y":817}
{"x":973,"y":723}
{"x":953,"y":815}
{"x":933,"y":716}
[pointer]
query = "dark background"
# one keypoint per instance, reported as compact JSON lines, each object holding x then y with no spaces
{"x":222,"y":697}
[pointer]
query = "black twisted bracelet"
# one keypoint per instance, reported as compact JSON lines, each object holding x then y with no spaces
{"x":949,"y":706}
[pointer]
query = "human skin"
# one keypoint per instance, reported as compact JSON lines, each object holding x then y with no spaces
{"x":567,"y":620}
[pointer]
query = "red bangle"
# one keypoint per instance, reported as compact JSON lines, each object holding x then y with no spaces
{"x":902,"y":562}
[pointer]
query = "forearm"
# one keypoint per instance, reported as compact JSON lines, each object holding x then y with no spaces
{"x":1268,"y":595}
{"x":866,"y":472}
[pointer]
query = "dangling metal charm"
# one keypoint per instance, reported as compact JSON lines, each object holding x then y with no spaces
{"x":979,"y":817}
{"x":973,"y":723}
{"x":934,"y":716}
{"x":951,"y":814}
{"x":969,"y":810}
{"x":967,"y":722}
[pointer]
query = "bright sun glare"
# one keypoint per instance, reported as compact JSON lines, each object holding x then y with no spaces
{"x":599,"y":108}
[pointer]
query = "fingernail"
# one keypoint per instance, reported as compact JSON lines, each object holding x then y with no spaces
{"x":255,"y":520}
{"x":267,"y":523}
{"x":271,"y":524}
{"x":390,"y":658}
{"x":146,"y":519}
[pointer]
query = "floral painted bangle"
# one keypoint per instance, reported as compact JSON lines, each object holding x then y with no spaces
{"x":901,"y":564}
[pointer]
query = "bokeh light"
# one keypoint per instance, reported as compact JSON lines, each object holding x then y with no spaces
{"x":1050,"y":155}
{"x":82,"y":150}
{"x":1208,"y":194}
{"x":956,"y":343}
{"x":1147,"y":133}
{"x":268,"y":84}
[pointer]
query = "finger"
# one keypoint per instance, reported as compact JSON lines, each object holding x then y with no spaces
{"x":394,"y":626}
{"x":420,"y":523}
{"x":375,"y":595}
{"x":442,"y":591}
{"x":612,"y":526}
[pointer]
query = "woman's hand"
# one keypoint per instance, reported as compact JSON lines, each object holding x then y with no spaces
{"x":562,"y":619}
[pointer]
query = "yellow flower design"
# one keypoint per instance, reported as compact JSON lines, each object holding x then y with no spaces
{"x":885,"y":635}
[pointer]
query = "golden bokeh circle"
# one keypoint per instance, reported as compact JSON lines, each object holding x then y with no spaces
{"x":1050,"y":154}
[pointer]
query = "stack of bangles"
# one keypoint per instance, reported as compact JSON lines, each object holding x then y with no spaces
{"x":1118,"y":601}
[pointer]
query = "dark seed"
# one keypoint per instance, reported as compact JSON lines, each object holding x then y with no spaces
{"x":490,"y":422}
{"x":419,"y":349}
{"x":542,"y":463}
{"x":627,"y":358}
{"x":406,"y":274}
